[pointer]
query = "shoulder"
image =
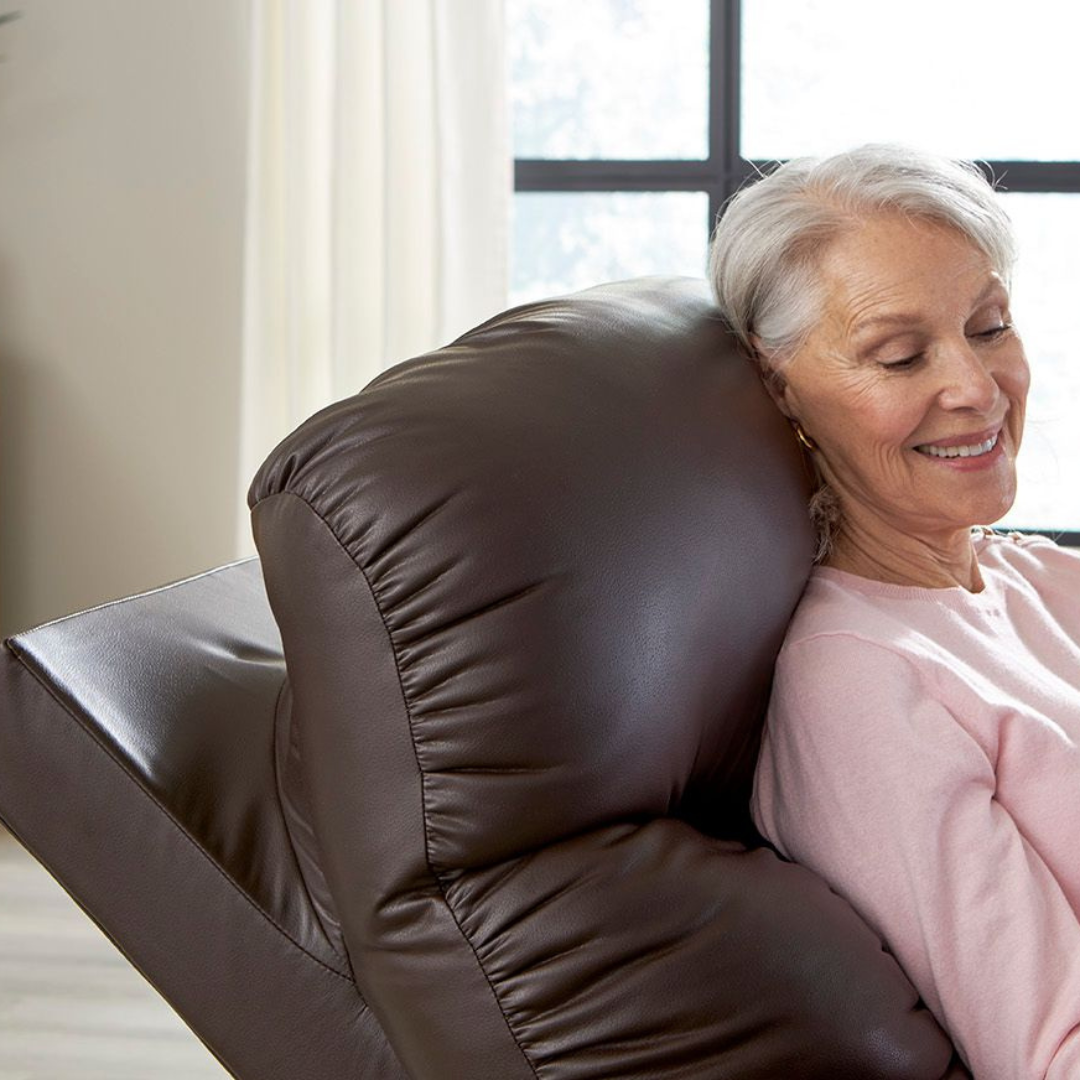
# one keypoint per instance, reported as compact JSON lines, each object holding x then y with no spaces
{"x":839,"y":685}
{"x":1049,"y":573}
{"x":830,"y":604}
{"x":856,"y":712}
{"x":844,"y":621}
{"x":1027,"y":552}
{"x":868,"y":670}
{"x":850,"y":722}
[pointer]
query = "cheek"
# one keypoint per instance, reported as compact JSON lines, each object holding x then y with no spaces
{"x":1015,"y":382}
{"x":872,"y":425}
{"x":1022,"y":381}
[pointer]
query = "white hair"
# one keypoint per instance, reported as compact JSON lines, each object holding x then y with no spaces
{"x":765,"y":250}
{"x":765,"y":256}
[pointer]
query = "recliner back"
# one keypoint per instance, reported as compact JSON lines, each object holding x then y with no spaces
{"x":530,"y":589}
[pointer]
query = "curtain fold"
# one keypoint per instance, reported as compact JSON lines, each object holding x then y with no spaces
{"x":378,"y":198}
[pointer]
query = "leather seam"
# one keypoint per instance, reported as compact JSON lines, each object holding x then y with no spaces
{"x":136,"y":783}
{"x":436,"y":877}
{"x":15,"y":638}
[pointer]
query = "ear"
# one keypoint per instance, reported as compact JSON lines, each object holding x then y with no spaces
{"x":773,"y":379}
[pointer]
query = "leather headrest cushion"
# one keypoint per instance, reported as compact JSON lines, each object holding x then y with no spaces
{"x":583,"y":525}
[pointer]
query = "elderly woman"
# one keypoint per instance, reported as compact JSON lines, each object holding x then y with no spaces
{"x":922,"y":748}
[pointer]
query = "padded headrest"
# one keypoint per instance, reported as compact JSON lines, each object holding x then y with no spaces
{"x":584,"y":527}
{"x":530,"y":588}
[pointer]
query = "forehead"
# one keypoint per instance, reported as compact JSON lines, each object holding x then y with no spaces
{"x":891,"y":264}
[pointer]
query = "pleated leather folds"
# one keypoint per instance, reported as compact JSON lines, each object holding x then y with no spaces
{"x":530,"y":588}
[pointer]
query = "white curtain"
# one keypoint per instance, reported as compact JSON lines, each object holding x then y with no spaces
{"x":379,"y":186}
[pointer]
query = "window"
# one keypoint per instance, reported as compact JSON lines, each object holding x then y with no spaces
{"x":634,"y":120}
{"x":619,"y":139}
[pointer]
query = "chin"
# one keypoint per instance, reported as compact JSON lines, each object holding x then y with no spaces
{"x":996,"y":511}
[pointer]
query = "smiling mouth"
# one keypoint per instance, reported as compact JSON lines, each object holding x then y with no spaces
{"x":974,"y":450}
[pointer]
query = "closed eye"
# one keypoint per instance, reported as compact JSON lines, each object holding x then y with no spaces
{"x":903,"y":364}
{"x":993,"y":333}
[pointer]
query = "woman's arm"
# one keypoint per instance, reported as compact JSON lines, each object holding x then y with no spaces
{"x":869,"y":781}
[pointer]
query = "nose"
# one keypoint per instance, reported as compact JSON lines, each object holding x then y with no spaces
{"x":969,"y":380}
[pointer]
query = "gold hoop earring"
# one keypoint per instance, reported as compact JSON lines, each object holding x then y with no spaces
{"x":801,"y":435}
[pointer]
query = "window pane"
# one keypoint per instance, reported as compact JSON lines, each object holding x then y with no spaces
{"x":618,"y":79}
{"x":1044,"y":308}
{"x":568,"y":241}
{"x":967,"y":78}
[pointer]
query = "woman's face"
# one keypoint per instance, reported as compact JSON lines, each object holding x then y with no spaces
{"x":913,"y":383}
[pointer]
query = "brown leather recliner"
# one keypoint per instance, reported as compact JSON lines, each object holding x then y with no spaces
{"x":488,"y":819}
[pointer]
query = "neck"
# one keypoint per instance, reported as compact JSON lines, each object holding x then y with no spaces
{"x":873,"y":549}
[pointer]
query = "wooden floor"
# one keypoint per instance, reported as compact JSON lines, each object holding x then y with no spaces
{"x":71,"y":1007}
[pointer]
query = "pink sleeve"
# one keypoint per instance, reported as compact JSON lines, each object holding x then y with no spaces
{"x":869,"y":781}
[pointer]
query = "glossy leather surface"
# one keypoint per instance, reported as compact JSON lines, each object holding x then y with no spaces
{"x":137,"y":763}
{"x":530,"y":588}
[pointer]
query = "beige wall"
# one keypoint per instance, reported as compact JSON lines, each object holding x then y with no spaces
{"x":122,"y":137}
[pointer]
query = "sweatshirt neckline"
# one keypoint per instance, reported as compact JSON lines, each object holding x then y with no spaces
{"x":951,"y":594}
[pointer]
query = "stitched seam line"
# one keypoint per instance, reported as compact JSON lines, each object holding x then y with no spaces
{"x":128,"y":599}
{"x":423,"y":778}
{"x":177,"y":824}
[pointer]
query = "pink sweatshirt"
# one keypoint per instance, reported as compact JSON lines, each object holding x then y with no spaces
{"x":922,"y":753}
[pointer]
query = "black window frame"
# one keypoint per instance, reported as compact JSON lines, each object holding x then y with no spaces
{"x":724,"y":171}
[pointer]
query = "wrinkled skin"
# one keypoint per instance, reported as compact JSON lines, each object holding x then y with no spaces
{"x":915,"y":356}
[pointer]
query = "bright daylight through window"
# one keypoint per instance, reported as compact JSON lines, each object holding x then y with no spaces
{"x":635,"y":119}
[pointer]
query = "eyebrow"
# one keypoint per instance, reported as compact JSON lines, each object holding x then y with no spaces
{"x":906,"y":319}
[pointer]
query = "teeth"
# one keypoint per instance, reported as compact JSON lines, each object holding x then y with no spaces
{"x":959,"y":451}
